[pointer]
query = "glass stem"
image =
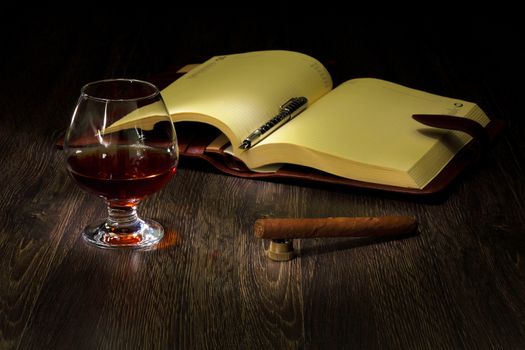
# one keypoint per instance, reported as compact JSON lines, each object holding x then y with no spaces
{"x":122,"y":220}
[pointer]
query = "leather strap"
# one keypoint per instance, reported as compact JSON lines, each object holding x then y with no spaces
{"x":474,"y":129}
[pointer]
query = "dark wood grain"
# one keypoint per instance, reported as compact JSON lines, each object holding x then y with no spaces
{"x":460,"y":283}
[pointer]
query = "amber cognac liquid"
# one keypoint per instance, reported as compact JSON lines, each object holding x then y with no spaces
{"x":122,"y":175}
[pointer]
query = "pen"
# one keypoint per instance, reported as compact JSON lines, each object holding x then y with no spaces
{"x":287,"y":112}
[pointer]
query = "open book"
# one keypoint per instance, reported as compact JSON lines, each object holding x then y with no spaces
{"x":362,"y":130}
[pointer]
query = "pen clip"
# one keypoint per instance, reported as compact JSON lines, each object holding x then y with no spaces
{"x":294,"y":105}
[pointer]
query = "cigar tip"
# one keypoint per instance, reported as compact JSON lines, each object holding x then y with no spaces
{"x":258,"y":228}
{"x":412,"y":224}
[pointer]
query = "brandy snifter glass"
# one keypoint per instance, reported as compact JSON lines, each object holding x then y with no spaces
{"x":121,"y":145}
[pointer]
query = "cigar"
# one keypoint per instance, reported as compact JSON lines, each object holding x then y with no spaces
{"x":287,"y":228}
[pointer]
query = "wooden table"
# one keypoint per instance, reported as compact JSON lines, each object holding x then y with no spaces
{"x":460,"y":283}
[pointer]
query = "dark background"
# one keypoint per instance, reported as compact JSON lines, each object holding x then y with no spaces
{"x":457,"y":54}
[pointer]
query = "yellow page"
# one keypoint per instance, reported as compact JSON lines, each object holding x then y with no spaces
{"x":239,"y":93}
{"x":367,"y":121}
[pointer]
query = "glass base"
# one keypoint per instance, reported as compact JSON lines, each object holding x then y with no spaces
{"x":144,"y":234}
